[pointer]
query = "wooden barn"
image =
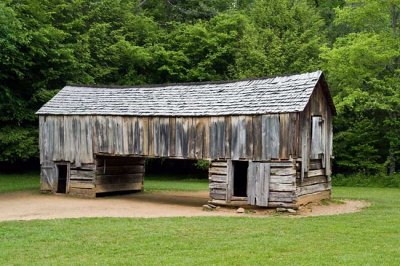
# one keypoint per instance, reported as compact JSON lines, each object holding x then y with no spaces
{"x":268,"y":140}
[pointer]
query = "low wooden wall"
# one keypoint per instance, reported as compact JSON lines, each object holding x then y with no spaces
{"x":119,"y":174}
{"x":217,"y":180}
{"x":279,"y":181}
{"x":315,"y":186}
{"x":82,"y":181}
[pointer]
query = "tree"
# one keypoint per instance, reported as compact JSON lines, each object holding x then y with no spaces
{"x":363,"y":71}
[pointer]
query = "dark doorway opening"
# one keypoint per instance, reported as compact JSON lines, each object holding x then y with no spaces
{"x":62,"y":178}
{"x":240,"y":178}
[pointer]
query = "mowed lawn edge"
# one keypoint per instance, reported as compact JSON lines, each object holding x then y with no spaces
{"x":366,"y":238}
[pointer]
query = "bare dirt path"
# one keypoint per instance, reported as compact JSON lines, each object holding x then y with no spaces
{"x":31,"y":205}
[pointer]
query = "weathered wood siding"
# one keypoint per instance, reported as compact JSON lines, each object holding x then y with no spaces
{"x":119,"y":174}
{"x":77,"y":138}
{"x":269,"y":184}
{"x":316,"y":144}
{"x":218,"y":180}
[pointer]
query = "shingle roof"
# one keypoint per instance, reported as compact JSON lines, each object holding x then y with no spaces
{"x":257,"y":96}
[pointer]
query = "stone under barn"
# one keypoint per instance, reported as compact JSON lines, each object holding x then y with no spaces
{"x":268,"y":140}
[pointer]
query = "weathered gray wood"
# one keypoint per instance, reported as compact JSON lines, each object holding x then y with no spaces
{"x":304,"y":144}
{"x":192,"y":138}
{"x":164,"y":137}
{"x":313,"y":180}
{"x":143,"y":135}
{"x":252,"y":172}
{"x":294,"y":135}
{"x":318,"y":172}
{"x":213,"y":185}
{"x":249,"y":137}
{"x":218,"y":178}
{"x":282,"y":187}
{"x":218,"y":170}
{"x":119,"y":178}
{"x":270,"y":136}
{"x":283,"y":171}
{"x":219,"y":163}
{"x":81,"y":184}
{"x":282,"y":196}
{"x":47,"y":177}
{"x":264,"y":184}
{"x":127,"y":169}
{"x":235,"y":139}
{"x":229,"y":180}
{"x":317,"y":137}
{"x":172,"y":137}
{"x":287,"y":179}
{"x":156,"y":136}
{"x":218,"y":195}
{"x":179,"y":137}
{"x":217,"y":137}
{"x":284,"y":122}
{"x":118,"y":187}
{"x":81,"y":174}
{"x":282,"y":164}
{"x":313,"y":188}
{"x":242,"y":136}
{"x":257,"y":138}
{"x":315,"y":164}
{"x":82,"y":192}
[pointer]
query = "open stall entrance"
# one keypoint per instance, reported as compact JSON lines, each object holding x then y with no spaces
{"x":62,"y":177}
{"x":240,"y":178}
{"x":175,"y":175}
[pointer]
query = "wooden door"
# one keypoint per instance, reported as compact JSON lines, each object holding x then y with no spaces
{"x":318,"y":140}
{"x":258,"y":175}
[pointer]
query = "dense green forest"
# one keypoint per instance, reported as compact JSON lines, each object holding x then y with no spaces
{"x":45,"y":44}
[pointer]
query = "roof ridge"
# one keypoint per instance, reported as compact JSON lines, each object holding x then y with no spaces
{"x":192,"y":83}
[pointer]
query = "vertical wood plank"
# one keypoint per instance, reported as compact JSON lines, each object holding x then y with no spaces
{"x":304,"y":128}
{"x":221,"y":137}
{"x":151,"y":136}
{"x":275,"y":144}
{"x":199,"y":141}
{"x":284,"y":123}
{"x":257,"y":138}
{"x":206,"y":142}
{"x":192,"y":138}
{"x":164,"y":137}
{"x":228,"y":136}
{"x":249,"y":137}
{"x":229,"y":180}
{"x":213,"y":137}
{"x":265,"y":185}
{"x":172,"y":136}
{"x":235,"y":140}
{"x":251,"y":181}
{"x":242,"y":137}
{"x":178,"y":136}
{"x":185,"y":137}
{"x":144,"y":135}
{"x":317,"y":137}
{"x":156,"y":136}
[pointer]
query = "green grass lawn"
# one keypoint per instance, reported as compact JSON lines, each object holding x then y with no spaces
{"x":19,"y":182}
{"x":170,"y":183}
{"x":371,"y":237}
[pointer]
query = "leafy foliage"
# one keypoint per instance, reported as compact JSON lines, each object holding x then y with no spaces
{"x":45,"y":44}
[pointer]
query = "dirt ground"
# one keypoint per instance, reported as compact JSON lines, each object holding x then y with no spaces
{"x":33,"y":205}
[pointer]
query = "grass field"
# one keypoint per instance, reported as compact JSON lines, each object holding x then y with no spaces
{"x":19,"y":182}
{"x":30,"y":181}
{"x":371,"y":237}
